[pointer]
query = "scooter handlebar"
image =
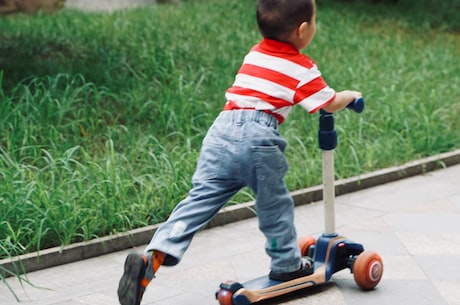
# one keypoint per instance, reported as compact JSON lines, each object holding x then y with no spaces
{"x":357,"y":105}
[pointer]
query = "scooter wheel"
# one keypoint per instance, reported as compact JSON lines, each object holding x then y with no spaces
{"x":368,"y":270}
{"x":305,"y":243}
{"x":224,"y":297}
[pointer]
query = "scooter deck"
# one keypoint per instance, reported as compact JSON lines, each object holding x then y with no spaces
{"x":263,"y":288}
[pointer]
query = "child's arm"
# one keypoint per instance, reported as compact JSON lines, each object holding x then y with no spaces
{"x":342,"y":99}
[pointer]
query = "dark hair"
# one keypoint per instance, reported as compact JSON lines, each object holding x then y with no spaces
{"x":278,"y":18}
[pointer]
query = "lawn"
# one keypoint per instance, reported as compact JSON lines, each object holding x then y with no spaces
{"x":102,"y":115}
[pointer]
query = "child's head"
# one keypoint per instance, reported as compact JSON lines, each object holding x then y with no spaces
{"x":280,"y":19}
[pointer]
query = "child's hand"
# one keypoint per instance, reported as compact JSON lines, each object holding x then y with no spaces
{"x":351,"y":95}
{"x":342,"y":99}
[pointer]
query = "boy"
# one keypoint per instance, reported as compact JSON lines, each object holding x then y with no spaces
{"x":243,"y":148}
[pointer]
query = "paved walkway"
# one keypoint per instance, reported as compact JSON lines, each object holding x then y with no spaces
{"x":413,"y":223}
{"x":106,"y":5}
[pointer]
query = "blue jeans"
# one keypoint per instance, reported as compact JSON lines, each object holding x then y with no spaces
{"x":242,"y":148}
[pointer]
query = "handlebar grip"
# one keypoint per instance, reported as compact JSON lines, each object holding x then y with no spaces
{"x":357,"y":105}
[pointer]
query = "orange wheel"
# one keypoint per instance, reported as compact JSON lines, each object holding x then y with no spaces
{"x":368,"y":270}
{"x":224,"y":297}
{"x":305,"y":243}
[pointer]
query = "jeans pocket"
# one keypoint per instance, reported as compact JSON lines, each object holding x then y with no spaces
{"x":270,"y":163}
{"x":209,"y":162}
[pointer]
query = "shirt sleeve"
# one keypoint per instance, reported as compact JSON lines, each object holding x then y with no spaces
{"x":312,"y":92}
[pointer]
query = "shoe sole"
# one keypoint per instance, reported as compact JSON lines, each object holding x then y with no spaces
{"x":304,"y":271}
{"x":130,"y":290}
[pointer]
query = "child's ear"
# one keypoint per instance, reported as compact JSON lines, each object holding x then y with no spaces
{"x":302,"y":29}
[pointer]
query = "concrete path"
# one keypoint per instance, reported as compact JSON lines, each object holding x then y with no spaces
{"x":413,"y":223}
{"x":106,"y":5}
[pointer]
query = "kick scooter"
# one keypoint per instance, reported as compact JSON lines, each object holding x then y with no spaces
{"x":330,"y":252}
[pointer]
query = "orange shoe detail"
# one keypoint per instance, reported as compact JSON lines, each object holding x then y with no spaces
{"x":158,"y":259}
{"x":145,"y":282}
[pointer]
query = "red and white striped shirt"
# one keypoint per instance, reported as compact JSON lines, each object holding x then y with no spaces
{"x":274,"y":77}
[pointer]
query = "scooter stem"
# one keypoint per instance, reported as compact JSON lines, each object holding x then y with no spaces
{"x":327,"y":137}
{"x":329,"y":191}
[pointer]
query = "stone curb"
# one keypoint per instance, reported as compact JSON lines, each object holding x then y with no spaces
{"x":138,"y":237}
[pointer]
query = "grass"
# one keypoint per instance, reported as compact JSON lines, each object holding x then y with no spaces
{"x":102,"y":115}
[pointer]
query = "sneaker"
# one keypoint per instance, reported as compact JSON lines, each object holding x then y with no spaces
{"x":132,"y":283}
{"x":305,"y":269}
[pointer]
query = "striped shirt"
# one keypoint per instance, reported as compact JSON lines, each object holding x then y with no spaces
{"x":274,"y":77}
